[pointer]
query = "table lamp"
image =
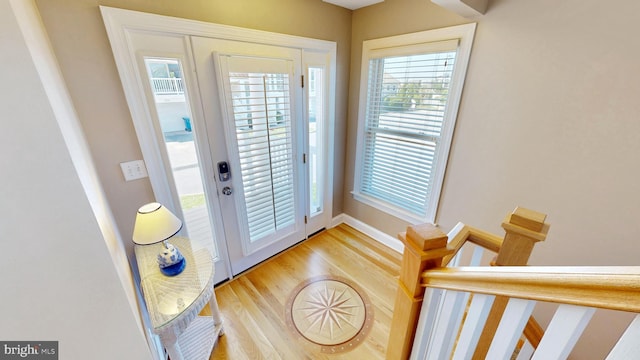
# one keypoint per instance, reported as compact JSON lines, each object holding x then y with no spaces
{"x":155,"y":223}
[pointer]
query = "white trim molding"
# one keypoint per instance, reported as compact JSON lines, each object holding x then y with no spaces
{"x":379,"y":236}
{"x":467,"y":8}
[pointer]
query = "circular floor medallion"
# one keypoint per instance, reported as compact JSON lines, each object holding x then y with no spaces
{"x":330,"y":312}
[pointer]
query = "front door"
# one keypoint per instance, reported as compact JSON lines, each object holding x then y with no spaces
{"x":232,"y":141}
{"x":253,"y":108}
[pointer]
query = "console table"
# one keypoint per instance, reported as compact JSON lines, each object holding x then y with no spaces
{"x":174,"y":302}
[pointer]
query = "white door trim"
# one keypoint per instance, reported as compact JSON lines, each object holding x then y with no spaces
{"x":120,"y":24}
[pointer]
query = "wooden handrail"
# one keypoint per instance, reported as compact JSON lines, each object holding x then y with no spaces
{"x":607,"y":287}
{"x":462,"y":233}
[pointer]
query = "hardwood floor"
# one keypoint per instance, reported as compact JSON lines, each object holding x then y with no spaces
{"x":253,"y":304}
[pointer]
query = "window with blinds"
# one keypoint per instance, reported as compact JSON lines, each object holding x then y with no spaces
{"x":261,"y":111}
{"x":405,"y":126}
{"x":407,"y":97}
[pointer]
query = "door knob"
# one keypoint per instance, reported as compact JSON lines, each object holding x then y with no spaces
{"x":227,"y":190}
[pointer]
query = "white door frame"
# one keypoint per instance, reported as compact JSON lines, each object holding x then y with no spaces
{"x":121,"y":23}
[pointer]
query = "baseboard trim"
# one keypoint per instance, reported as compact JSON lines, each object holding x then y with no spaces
{"x":381,"y":237}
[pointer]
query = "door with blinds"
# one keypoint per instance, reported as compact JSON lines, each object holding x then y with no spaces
{"x":252,"y":98}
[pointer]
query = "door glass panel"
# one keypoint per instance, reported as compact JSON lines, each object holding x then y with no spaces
{"x":316,"y":121}
{"x":167,"y":84}
{"x":262,"y":122}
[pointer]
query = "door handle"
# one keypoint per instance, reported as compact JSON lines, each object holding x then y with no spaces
{"x":227,"y":190}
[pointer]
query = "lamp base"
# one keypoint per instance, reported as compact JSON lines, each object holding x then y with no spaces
{"x":175,"y":269}
{"x":171,"y":260}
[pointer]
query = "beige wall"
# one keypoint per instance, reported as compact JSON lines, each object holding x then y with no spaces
{"x":81,"y":45}
{"x":59,"y":282}
{"x":549,"y":120}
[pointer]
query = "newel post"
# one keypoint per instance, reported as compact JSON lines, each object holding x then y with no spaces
{"x":424,"y":247}
{"x":523,"y":229}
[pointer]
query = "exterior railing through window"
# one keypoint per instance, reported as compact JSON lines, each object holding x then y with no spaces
{"x":167,"y":86}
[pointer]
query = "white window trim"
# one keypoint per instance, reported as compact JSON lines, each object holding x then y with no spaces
{"x":465,"y":34}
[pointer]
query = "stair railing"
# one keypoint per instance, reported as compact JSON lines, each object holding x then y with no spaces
{"x":427,"y":247}
{"x":578,"y":292}
{"x":483,"y":312}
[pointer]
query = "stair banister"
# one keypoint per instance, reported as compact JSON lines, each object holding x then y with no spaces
{"x":605,"y":287}
{"x":523,"y":229}
{"x":425,"y":247}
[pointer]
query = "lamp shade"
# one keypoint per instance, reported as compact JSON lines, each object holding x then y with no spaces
{"x":154,"y":223}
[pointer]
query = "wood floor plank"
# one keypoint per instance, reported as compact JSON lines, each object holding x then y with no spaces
{"x":378,"y":252}
{"x":271,"y":344}
{"x":253,"y":305}
{"x":360,"y":269}
{"x":236,"y":339}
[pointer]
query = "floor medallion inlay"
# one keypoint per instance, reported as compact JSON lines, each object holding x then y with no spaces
{"x":331,"y":312}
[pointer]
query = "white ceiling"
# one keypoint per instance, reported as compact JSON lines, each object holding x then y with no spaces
{"x":353,"y":4}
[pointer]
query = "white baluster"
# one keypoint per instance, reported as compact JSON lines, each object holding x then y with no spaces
{"x":473,"y":325}
{"x":628,"y":346}
{"x":512,"y":324}
{"x":563,"y":332}
{"x":426,"y":322}
{"x":447,"y":324}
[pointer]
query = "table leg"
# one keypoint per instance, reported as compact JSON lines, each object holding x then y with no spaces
{"x":175,"y":353}
{"x":215,"y":312}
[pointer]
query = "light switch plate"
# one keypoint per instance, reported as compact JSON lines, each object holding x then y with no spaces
{"x":133,"y":170}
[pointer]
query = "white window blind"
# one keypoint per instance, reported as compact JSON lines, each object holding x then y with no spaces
{"x":406,"y":103}
{"x":262,"y":123}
